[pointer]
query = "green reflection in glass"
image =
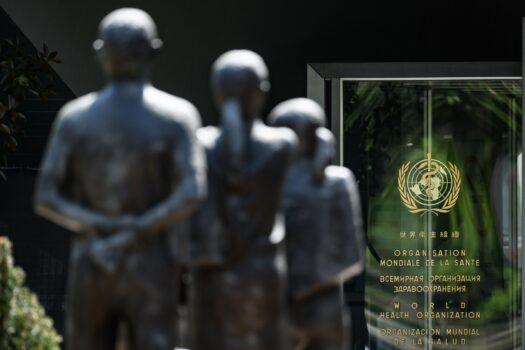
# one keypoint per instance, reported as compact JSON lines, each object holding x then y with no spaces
{"x":476,"y":125}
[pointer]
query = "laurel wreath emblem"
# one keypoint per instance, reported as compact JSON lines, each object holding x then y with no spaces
{"x":412,"y":206}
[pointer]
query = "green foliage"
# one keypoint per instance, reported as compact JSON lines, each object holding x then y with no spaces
{"x":476,"y":125}
{"x":23,"y":73}
{"x":23,"y":323}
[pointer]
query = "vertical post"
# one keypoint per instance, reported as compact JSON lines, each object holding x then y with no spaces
{"x":522,"y":194}
{"x":337,"y":119}
{"x":314,"y":86}
{"x":427,"y":117}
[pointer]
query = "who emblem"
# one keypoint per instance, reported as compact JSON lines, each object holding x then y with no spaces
{"x":429,"y":186}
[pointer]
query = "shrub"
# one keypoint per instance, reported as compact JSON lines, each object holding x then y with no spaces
{"x":23,"y":322}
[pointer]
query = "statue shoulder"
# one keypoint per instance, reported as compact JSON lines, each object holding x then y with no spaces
{"x":289,"y":139}
{"x":77,"y":107}
{"x":173,"y":108}
{"x":342,"y":178}
{"x":278,"y":138}
{"x":74,"y":110}
{"x":208,"y":136}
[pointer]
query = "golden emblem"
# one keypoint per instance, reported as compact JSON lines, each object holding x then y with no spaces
{"x":429,"y":186}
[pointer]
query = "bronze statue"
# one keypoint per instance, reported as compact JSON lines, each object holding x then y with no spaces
{"x":323,"y":230}
{"x":122,"y":166}
{"x":238,"y":287}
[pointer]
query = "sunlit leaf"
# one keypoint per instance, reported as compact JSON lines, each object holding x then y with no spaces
{"x":5,"y":129}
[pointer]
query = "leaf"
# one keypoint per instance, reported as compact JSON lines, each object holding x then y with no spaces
{"x":52,"y":55}
{"x":20,"y":117}
{"x":3,"y":109}
{"x":2,"y":175}
{"x":11,"y":101}
{"x":11,"y":143}
{"x":5,"y":129}
{"x":45,"y":49}
{"x":4,"y":79}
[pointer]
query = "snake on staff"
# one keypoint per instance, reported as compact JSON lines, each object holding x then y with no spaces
{"x":427,"y":177}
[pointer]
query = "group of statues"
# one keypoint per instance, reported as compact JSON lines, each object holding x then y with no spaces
{"x":270,"y":229}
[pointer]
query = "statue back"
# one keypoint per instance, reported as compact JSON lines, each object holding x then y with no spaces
{"x":123,"y":141}
{"x":323,"y":229}
{"x":241,"y":209}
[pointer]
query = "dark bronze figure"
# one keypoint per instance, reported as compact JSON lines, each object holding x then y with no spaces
{"x":238,"y":289}
{"x":122,"y":166}
{"x":323,"y":230}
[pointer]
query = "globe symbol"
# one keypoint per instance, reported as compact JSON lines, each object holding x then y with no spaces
{"x":429,"y":182}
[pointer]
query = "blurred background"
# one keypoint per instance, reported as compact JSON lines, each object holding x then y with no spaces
{"x":288,"y":34}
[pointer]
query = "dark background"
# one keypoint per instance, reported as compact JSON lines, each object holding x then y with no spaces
{"x":288,"y":34}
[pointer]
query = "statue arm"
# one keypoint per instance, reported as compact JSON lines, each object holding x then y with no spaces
{"x":50,"y":203}
{"x":324,"y":152}
{"x":348,"y":236}
{"x":353,"y":231}
{"x":189,"y":163}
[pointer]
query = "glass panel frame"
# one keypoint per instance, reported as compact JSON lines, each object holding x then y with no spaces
{"x":325,"y":85}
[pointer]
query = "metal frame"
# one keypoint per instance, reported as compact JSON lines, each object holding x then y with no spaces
{"x":522,"y":191}
{"x":324,"y":81}
{"x":324,"y":85}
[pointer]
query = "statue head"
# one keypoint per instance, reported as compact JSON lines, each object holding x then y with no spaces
{"x":303,"y":116}
{"x":240,"y":76}
{"x":127,"y":42}
{"x":307,"y":119}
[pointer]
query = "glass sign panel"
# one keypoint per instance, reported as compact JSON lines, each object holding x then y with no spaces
{"x":439,"y":168}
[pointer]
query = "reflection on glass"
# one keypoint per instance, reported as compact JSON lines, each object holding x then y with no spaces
{"x":450,"y":278}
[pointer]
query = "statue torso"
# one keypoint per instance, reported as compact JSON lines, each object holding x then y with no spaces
{"x":241,"y":209}
{"x":321,"y":239}
{"x":121,"y":159}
